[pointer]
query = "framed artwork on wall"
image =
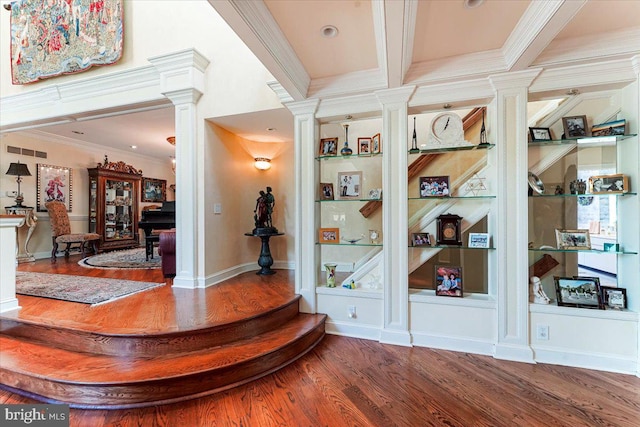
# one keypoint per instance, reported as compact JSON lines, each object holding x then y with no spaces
{"x":154,"y":190}
{"x":53,"y":183}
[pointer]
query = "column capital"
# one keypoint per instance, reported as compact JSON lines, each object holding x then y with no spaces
{"x":395,"y":95}
{"x":309,"y":106}
{"x":181,"y":75}
{"x":514,"y":80}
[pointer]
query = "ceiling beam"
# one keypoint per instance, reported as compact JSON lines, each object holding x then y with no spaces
{"x":395,"y":48}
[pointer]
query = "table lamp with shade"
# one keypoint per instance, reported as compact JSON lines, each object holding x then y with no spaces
{"x":19,"y":170}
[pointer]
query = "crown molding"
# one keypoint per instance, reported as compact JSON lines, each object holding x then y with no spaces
{"x":280,"y":91}
{"x":477,"y":91}
{"x":350,"y":83}
{"x":469,"y":66}
{"x":363,"y":105}
{"x":256,"y":27}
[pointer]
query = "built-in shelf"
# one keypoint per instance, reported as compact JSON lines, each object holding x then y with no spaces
{"x":350,"y":200}
{"x":349,"y":244}
{"x":453,"y":197}
{"x":467,"y":300}
{"x":357,"y":292}
{"x":552,"y":308}
{"x":585,"y":195}
{"x":589,"y":140}
{"x":351,"y":156}
{"x":435,"y":150}
{"x":450,"y":247}
{"x":586,"y":251}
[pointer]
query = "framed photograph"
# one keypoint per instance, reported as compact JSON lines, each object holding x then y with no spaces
{"x":154,"y":190}
{"x":364,"y":146}
{"x":53,"y":183}
{"x":573,"y":239}
{"x":611,"y":247}
{"x":329,"y":235}
{"x":583,"y":292}
{"x":326,"y":191}
{"x":448,"y":281}
{"x":434,"y":186}
{"x":575,"y":127}
{"x":540,"y":134}
{"x":375,"y":193}
{"x":328,"y":147}
{"x":613,"y":298}
{"x":421,"y":239}
{"x":617,"y":127}
{"x":609,"y":184}
{"x":376,"y":144}
{"x":350,"y":185}
{"x":478,"y":240}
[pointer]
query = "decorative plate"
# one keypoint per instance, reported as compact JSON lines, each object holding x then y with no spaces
{"x":536,"y":183}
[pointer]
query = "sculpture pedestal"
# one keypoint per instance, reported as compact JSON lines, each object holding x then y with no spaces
{"x":265,"y":261}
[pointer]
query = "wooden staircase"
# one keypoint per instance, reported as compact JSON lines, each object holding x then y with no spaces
{"x":74,"y":362}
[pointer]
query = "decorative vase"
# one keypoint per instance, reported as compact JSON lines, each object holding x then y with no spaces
{"x":346,"y":151}
{"x":331,"y":274}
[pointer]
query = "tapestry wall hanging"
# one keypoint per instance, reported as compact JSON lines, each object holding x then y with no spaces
{"x":55,"y":37}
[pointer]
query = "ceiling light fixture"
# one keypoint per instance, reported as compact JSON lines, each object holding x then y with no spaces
{"x":329,"y":31}
{"x":573,"y":92}
{"x":262,"y":163}
{"x":470,"y":4}
{"x":133,"y":147}
{"x":446,"y":106}
{"x":271,"y":129}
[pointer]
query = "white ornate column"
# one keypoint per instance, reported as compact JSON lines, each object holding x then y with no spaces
{"x":395,"y":223}
{"x":511,"y":239}
{"x":307,"y":253}
{"x":182,"y":80}
{"x":8,"y":229}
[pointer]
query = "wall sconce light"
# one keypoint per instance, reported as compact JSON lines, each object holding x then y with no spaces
{"x":262,"y":163}
{"x":19,"y":170}
{"x":173,"y":164}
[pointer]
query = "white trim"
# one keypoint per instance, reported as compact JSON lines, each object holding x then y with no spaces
{"x":443,"y":342}
{"x":585,"y":360}
{"x":354,"y":331}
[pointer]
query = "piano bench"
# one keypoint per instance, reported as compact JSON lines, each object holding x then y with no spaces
{"x":149,"y":241}
{"x":167,"y":250}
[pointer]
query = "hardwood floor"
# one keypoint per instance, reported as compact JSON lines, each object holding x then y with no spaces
{"x":352,"y":382}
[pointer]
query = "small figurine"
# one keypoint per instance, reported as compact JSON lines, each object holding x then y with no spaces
{"x":559,"y":190}
{"x":262,"y":214}
{"x":539,"y":297}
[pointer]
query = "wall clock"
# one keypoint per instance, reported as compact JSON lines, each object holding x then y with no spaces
{"x":447,"y":129}
{"x":449,"y":230}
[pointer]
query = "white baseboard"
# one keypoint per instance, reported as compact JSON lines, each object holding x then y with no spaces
{"x":514,"y":353}
{"x":466,"y":345}
{"x":599,"y":362}
{"x":352,"y":331}
{"x":228,"y":273}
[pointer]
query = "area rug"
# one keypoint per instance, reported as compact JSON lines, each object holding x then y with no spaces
{"x":129,"y":258}
{"x":87,"y":290}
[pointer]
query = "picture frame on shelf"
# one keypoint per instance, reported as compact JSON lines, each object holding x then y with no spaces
{"x":479,"y":240}
{"x":153,"y":190}
{"x":573,"y":239}
{"x":329,"y":235}
{"x":350,"y":185}
{"x":326,"y":191}
{"x":581,"y":292}
{"x":448,"y":281}
{"x":54,"y":183}
{"x":617,"y":127}
{"x":613,"y":298}
{"x":540,"y":134}
{"x":375,"y":193}
{"x":611,"y":247}
{"x":376,"y":144}
{"x":575,"y":127}
{"x":609,"y":184}
{"x":420,"y":239}
{"x":328,"y":147}
{"x":364,"y":146}
{"x":434,"y":186}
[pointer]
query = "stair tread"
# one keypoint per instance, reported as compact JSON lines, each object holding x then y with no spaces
{"x":39,"y":360}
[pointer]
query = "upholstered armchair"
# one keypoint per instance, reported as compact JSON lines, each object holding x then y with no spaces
{"x":61,"y":231}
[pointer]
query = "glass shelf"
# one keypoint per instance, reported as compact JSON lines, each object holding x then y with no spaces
{"x":453,"y":197}
{"x":448,"y":149}
{"x":349,"y":244}
{"x":586,"y":251}
{"x":585,"y":195}
{"x":349,"y":200}
{"x":450,"y":247}
{"x":341,"y":157}
{"x":590,"y":140}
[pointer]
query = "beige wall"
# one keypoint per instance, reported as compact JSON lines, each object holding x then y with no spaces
{"x":76,"y":157}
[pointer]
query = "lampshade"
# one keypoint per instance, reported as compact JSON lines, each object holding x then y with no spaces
{"x":263,"y":163}
{"x":18,"y":169}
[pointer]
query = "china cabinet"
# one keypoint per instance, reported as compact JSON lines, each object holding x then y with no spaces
{"x":113,"y":204}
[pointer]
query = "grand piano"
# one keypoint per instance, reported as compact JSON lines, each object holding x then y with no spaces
{"x":157,"y":219}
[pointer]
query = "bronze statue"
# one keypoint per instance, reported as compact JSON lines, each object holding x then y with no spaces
{"x":263,"y":211}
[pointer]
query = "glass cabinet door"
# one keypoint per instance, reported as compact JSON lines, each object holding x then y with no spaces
{"x":93,"y":205}
{"x":118,"y":209}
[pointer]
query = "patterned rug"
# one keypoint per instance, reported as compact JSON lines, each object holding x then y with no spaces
{"x":87,"y":290}
{"x":130,"y":258}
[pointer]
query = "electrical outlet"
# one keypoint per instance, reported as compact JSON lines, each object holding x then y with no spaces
{"x":352,"y":312}
{"x":542,"y":332}
{"x":217,"y":208}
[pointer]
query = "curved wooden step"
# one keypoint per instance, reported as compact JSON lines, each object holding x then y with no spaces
{"x":103,"y":381}
{"x":142,"y":344}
